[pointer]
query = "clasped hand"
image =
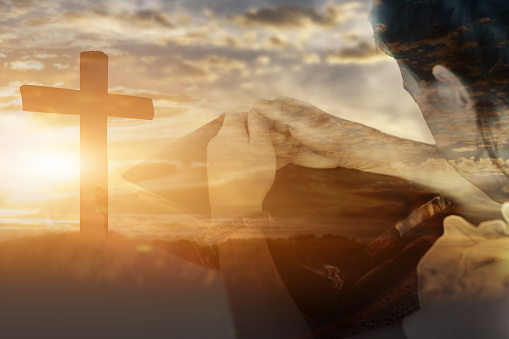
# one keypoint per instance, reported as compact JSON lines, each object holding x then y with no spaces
{"x":241,"y":165}
{"x":244,"y":155}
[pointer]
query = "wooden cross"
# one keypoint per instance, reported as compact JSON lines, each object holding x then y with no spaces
{"x":93,"y":104}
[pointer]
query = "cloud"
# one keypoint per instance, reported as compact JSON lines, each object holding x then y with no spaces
{"x":150,"y":16}
{"x":103,"y":25}
{"x":61,"y":66}
{"x":361,"y":52}
{"x":16,"y":8}
{"x":311,"y":58}
{"x":26,"y":65}
{"x":10,"y":91}
{"x":10,"y":213}
{"x":263,"y":60}
{"x":207,"y":69}
{"x":278,"y":42}
{"x":136,"y":17}
{"x":482,"y":167}
{"x":45,"y":56}
{"x":465,"y":149}
{"x":289,"y":17}
{"x":197,"y":36}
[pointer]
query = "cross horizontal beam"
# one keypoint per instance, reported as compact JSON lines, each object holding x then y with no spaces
{"x":76,"y":102}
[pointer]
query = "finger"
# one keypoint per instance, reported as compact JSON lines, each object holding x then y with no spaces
{"x":281,"y":128}
{"x":449,"y":96}
{"x":458,"y":235}
{"x":493,"y":228}
{"x":278,"y":138}
{"x":446,"y":77}
{"x":456,"y":226}
{"x":259,"y":128}
{"x":297,"y":115}
{"x":234,"y":126}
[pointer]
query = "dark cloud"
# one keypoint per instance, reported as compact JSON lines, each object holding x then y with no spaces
{"x":12,"y":9}
{"x":277,"y":42}
{"x":147,"y":16}
{"x":359,"y":52}
{"x":289,"y":16}
{"x":141,"y":17}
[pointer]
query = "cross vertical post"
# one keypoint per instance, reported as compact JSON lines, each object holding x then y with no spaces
{"x":93,"y":152}
{"x":93,"y":104}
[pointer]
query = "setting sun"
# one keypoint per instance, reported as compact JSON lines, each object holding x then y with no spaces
{"x":38,"y":171}
{"x":44,"y":159}
{"x":55,"y":167}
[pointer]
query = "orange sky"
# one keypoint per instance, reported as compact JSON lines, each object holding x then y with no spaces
{"x":196,"y":61}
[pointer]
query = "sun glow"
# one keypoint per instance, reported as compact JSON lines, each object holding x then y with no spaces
{"x":38,"y":165}
{"x":55,"y":166}
{"x":42,"y":170}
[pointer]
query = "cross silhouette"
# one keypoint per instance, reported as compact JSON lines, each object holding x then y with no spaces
{"x":93,"y":104}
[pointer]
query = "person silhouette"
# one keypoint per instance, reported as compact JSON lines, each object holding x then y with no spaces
{"x":453,"y":57}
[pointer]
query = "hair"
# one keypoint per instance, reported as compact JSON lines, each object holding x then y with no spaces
{"x":469,"y":37}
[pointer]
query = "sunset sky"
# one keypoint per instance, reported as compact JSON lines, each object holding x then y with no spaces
{"x":196,"y":59}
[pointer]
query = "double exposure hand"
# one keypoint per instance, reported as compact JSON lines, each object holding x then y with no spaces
{"x":467,"y":263}
{"x":304,"y":135}
{"x":241,"y":165}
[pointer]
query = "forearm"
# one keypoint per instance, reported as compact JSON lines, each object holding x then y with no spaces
{"x":260,"y":302}
{"x":423,"y":164}
{"x":327,"y":141}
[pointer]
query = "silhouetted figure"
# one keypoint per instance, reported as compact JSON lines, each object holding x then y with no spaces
{"x":93,"y":104}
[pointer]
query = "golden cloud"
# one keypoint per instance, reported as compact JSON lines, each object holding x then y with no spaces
{"x":26,"y":65}
{"x":207,"y":69}
{"x":311,"y":58}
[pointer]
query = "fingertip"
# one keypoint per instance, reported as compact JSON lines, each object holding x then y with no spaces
{"x":454,"y":224}
{"x":445,"y":76}
{"x":234,"y":124}
{"x":285,"y":98}
{"x":280,"y":127}
{"x":260,"y":104}
{"x":231,"y":118}
{"x":440,"y":72}
{"x":493,"y":228}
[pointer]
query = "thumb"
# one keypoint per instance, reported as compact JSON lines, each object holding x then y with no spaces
{"x":259,"y":128}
